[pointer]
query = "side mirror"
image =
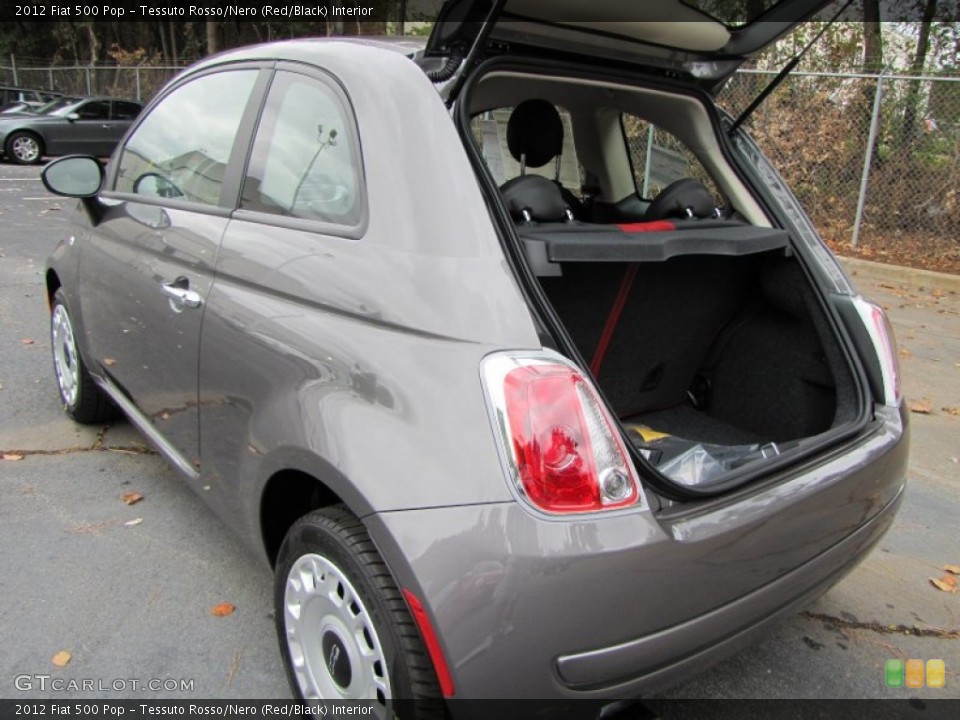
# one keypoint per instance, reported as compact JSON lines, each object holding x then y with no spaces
{"x":73,"y":116}
{"x":78,"y":176}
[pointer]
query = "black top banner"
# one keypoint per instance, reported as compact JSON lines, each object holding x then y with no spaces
{"x":733,"y":13}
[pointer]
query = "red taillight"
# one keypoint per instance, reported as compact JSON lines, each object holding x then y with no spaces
{"x":878,"y":327}
{"x":560,"y":444}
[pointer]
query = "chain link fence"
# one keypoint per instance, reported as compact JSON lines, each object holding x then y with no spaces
{"x":130,"y":83}
{"x":874,"y":159}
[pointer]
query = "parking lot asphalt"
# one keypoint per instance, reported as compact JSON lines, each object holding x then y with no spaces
{"x":127,"y":590}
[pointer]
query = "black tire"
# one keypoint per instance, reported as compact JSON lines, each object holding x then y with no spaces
{"x":24,"y":148}
{"x":340,"y":540}
{"x":81,"y":398}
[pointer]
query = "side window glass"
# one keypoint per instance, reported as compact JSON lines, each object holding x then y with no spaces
{"x":181,"y":148}
{"x":658,"y":159}
{"x":96,"y":110}
{"x":125,"y":110}
{"x":304,"y":163}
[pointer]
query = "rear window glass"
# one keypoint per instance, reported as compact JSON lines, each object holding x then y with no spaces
{"x":732,"y":13}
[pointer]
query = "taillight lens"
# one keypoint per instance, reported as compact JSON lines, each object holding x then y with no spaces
{"x":881,"y":334}
{"x":559,"y":443}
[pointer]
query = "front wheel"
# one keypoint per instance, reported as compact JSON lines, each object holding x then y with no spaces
{"x":24,"y":148}
{"x":81,"y":398}
{"x":344,"y":629}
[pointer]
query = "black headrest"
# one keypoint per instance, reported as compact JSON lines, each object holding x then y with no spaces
{"x":539,"y":197}
{"x":535,"y":130}
{"x":679,"y":197}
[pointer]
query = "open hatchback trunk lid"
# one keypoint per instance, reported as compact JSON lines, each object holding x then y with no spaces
{"x":703,"y":40}
{"x":654,"y":250}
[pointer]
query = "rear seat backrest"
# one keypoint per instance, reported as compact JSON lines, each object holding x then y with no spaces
{"x":674,"y":311}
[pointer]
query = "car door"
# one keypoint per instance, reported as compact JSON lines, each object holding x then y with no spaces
{"x":86,"y":133}
{"x":122,"y":115}
{"x":147,"y":266}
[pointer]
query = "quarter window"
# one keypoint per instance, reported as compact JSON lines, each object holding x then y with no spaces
{"x":304,"y":162}
{"x":181,"y":149}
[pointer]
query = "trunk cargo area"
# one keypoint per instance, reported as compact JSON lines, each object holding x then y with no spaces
{"x":711,"y":362}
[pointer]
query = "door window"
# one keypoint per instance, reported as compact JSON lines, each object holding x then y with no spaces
{"x":180,"y":150}
{"x":125,"y":110}
{"x":94,"y":110}
{"x":304,"y":162}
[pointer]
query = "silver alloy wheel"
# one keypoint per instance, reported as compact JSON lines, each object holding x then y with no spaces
{"x":334,"y":648}
{"x":65,"y":358}
{"x":26,"y":148}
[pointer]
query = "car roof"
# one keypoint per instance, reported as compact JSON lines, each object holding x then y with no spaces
{"x":306,"y":49}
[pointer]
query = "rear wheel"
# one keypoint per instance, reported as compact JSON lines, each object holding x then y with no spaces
{"x":344,"y":629}
{"x":24,"y":148}
{"x":81,"y":398}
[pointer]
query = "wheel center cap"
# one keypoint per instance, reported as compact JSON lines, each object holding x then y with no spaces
{"x":336,"y":659}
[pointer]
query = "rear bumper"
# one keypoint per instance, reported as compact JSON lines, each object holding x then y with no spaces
{"x":623,"y":605}
{"x":686,"y":648}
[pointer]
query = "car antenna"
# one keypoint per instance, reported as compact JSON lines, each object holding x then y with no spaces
{"x":775,"y":83}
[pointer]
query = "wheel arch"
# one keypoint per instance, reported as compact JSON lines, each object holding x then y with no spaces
{"x":288,"y":495}
{"x":53,"y":284}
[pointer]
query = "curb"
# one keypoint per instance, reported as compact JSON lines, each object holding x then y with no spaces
{"x":866,"y":269}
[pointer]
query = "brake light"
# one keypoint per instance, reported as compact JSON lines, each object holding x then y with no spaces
{"x":881,"y":334}
{"x":558,"y":442}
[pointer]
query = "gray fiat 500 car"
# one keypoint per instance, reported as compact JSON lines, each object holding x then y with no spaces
{"x":513,"y":356}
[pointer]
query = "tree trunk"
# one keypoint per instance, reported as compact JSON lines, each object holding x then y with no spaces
{"x":173,"y":42}
{"x":872,"y":37}
{"x":908,"y":130}
{"x":872,"y":63}
{"x":164,"y":45}
{"x":213,"y":37}
{"x":94,"y":44}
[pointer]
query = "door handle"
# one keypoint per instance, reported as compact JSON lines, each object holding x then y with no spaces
{"x":180,"y":295}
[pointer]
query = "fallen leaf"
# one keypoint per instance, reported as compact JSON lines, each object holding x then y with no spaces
{"x":165,"y":416}
{"x":955,"y":569}
{"x":109,"y":361}
{"x":924,"y":406}
{"x":131,"y":498}
{"x":135,"y":521}
{"x":937,"y":293}
{"x":949,"y":580}
{"x":12,"y":457}
{"x":905,"y":353}
{"x":955,"y":411}
{"x":941,"y":585}
{"x":61,"y":658}
{"x":223,"y":609}
{"x":27,"y":341}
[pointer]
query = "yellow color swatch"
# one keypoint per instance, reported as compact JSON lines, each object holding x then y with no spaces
{"x":936,"y":673}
